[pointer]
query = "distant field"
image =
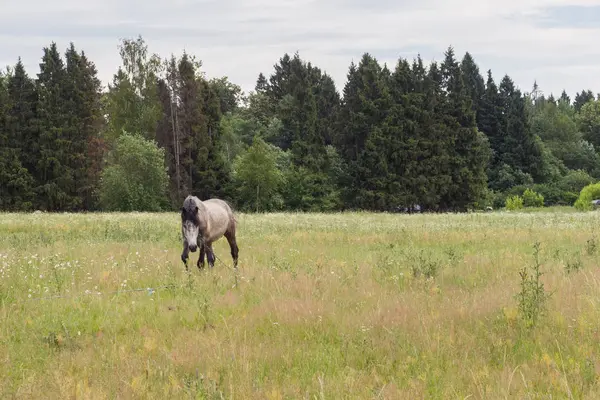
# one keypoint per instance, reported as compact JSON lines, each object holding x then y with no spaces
{"x":355,"y":305}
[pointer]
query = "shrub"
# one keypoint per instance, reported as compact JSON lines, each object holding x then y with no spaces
{"x":574,"y":181}
{"x":587,"y":194}
{"x":532,"y":199}
{"x":135,"y":178}
{"x":514,"y":203}
{"x":258,"y":178}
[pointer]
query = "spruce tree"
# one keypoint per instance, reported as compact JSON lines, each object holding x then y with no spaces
{"x":202,"y":167}
{"x":582,"y":98}
{"x":467,"y":152}
{"x":433,"y":176}
{"x":564,"y":97}
{"x":520,"y":149}
{"x":81,"y":98}
{"x":402,"y":144}
{"x":473,"y":81}
{"x":91,"y":124}
{"x":57,"y":185}
{"x":16,"y":183}
{"x":22,"y":123}
{"x":366,"y":105}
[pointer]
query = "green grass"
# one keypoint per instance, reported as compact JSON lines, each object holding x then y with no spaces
{"x":354,"y":305}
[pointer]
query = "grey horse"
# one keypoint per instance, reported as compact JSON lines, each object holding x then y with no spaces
{"x":204,"y":222}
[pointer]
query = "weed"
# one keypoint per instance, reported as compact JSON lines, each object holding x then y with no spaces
{"x":532,"y":296}
{"x":573,"y":266}
{"x":591,"y":246}
{"x":425,"y":266}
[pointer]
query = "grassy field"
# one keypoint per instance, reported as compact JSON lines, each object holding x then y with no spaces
{"x":333,"y":306}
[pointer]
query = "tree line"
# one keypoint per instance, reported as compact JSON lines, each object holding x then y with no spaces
{"x":443,"y":136}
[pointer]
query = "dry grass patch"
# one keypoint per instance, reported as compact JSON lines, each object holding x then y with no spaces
{"x":352,"y":305}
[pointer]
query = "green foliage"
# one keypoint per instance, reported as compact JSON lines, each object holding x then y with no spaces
{"x":257,"y":179}
{"x":587,"y":194}
{"x":132,"y":102}
{"x":439,"y":136}
{"x":229,"y":94}
{"x":589,"y":122}
{"x":514,"y":203}
{"x":556,"y":125}
{"x":15,"y":181}
{"x":135,"y":177}
{"x":574,"y":181}
{"x":532,"y":199}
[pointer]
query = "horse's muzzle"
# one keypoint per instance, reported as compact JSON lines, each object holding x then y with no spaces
{"x":193,"y":248}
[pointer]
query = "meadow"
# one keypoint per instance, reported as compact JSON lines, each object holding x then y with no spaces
{"x":324,"y":306}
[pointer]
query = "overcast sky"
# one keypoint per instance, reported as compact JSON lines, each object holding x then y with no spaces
{"x":553,"y":41}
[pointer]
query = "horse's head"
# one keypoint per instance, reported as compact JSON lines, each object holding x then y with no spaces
{"x":190,"y":224}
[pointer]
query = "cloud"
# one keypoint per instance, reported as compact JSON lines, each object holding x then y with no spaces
{"x":551,"y":41}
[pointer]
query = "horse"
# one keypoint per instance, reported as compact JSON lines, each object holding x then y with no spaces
{"x":203,"y":223}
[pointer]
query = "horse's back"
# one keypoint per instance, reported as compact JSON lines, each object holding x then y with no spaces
{"x":220,"y":215}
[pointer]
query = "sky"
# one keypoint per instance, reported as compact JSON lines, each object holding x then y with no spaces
{"x":552,"y":42}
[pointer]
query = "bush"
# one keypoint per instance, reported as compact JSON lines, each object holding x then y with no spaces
{"x":587,"y":194}
{"x":574,"y":181}
{"x":135,"y":178}
{"x":532,"y":199}
{"x":557,"y":193}
{"x":514,"y":203}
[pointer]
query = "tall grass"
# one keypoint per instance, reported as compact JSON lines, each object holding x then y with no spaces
{"x":354,"y":305}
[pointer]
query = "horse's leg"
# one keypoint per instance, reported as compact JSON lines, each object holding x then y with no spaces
{"x":230,"y":236}
{"x":185,"y":253}
{"x":210,"y":255}
{"x":200,"y":263}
